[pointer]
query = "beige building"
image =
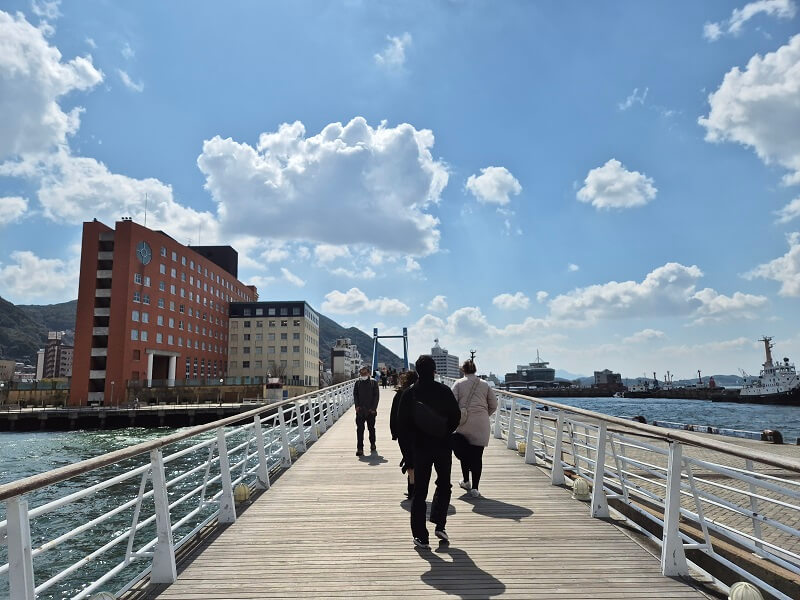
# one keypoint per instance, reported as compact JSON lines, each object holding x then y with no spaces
{"x":7,"y":370}
{"x":277,"y":339}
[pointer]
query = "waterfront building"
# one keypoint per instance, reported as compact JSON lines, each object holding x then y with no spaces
{"x":150,"y":309}
{"x":536,"y":372}
{"x":346,"y":360}
{"x":275,"y":339}
{"x":55,"y":359}
{"x":446,"y":363}
{"x":7,"y":370}
{"x":608,"y":380}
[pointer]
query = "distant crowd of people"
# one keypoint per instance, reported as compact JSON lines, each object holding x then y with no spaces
{"x":430,"y":422}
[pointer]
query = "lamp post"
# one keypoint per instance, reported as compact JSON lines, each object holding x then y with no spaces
{"x":219,"y":392}
{"x":112,"y":393}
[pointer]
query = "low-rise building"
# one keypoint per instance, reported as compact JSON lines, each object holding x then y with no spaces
{"x":346,"y":360}
{"x":608,"y":380}
{"x":7,"y":370}
{"x":446,"y":363}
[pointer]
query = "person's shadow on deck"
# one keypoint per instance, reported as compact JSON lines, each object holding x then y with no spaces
{"x":460,"y":576}
{"x":372,"y":459}
{"x":496,"y":509}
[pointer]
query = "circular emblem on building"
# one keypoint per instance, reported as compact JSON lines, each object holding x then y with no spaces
{"x":143,"y":252}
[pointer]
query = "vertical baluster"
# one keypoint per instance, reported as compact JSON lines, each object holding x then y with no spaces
{"x":301,"y":428}
{"x":227,"y":508}
{"x":557,"y":474}
{"x":754,"y":504}
{"x":498,"y":431}
{"x":164,"y":570}
{"x":322,"y":400}
{"x":20,"y":560}
{"x":530,"y":451}
{"x":312,"y":417}
{"x":262,"y":474}
{"x":286,"y":453}
{"x":673,"y":557}
{"x":511,"y":444}
{"x":599,"y":501}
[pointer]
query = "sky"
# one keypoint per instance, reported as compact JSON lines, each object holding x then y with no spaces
{"x":615,"y":185}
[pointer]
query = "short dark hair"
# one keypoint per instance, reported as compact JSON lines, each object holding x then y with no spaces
{"x":426,"y":366}
{"x":469,"y":367}
{"x":407,"y":379}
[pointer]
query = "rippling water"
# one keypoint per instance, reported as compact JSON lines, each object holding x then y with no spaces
{"x":29,"y":453}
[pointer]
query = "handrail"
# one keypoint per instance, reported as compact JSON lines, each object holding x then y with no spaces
{"x":769,"y":458}
{"x":28,"y":484}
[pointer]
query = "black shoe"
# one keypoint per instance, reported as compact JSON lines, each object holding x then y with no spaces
{"x":442,"y":535}
{"x":410,"y":492}
{"x":373,"y":449}
{"x":419,"y":543}
{"x":360,"y":452}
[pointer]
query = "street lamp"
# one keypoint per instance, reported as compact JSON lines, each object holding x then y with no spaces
{"x":219,"y":392}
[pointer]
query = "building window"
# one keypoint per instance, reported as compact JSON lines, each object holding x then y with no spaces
{"x":145,"y":317}
{"x":162,"y":268}
{"x":233,"y":365}
{"x":259,"y":350}
{"x":137,"y":278}
{"x":246,"y":350}
{"x":283,"y":363}
{"x":183,"y":276}
{"x":135,"y":315}
{"x":296,"y":336}
{"x":162,"y":286}
{"x":271,"y":324}
{"x":159,"y":320}
{"x":245,"y":364}
{"x":180,"y":341}
{"x":270,"y":349}
{"x":137,"y":297}
{"x":259,"y":364}
{"x":170,"y":340}
{"x":144,"y":336}
{"x":284,"y":349}
{"x":234,"y":350}
{"x":234,"y":337}
{"x":246,"y":337}
{"x":183,"y":260}
{"x":134,"y":334}
{"x":145,"y":299}
{"x":173,"y":272}
{"x":295,"y":312}
{"x":296,"y":323}
{"x":172,"y":288}
{"x":137,"y":355}
{"x":246,"y":324}
{"x":159,"y":338}
{"x":175,"y":256}
{"x":259,"y":324}
{"x":284,"y":311}
{"x":284,"y":323}
{"x":163,"y":251}
{"x":271,"y":312}
{"x":284,"y":336}
{"x":295,"y":348}
{"x":182,"y":308}
{"x":259,"y":337}
{"x":259,"y":313}
{"x":171,"y":322}
{"x":180,"y":324}
{"x":160,"y":303}
{"x":271,"y":337}
{"x":295,"y":363}
{"x":172,"y":306}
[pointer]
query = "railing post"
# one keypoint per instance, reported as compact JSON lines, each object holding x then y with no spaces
{"x":599,"y":501}
{"x":754,"y":506}
{"x":323,"y":420}
{"x":530,"y":451}
{"x":163,"y":570}
{"x":301,"y":428}
{"x":262,"y":474}
{"x":673,"y":557}
{"x":498,"y":430}
{"x":511,"y":444}
{"x":227,"y":508}
{"x":312,"y":418}
{"x":20,"y":560}
{"x":557,"y":473}
{"x":286,"y":453}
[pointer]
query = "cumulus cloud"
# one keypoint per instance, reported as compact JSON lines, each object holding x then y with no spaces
{"x":130,"y":83}
{"x":757,"y":107}
{"x":789,"y":212}
{"x":645,"y":335}
{"x":613,"y":186}
{"x":326,"y":253}
{"x":494,"y":186}
{"x":28,"y":278}
{"x":438,"y":304}
{"x":541,"y":296}
{"x":669,"y":290}
{"x":356,"y":301}
{"x":11,"y":209}
{"x":784,"y":269}
{"x":33,"y":78}
{"x":46,"y":9}
{"x":127,"y":51}
{"x":517,"y":301}
{"x":366,"y":273}
{"x":292,"y":278}
{"x":781,"y":9}
{"x":411,"y":266}
{"x":572,"y":267}
{"x":393,"y":55}
{"x":274,"y":252}
{"x":634,"y":98}
{"x":371,"y":175}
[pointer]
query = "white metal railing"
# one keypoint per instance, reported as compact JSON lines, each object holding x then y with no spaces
{"x":699,"y":493}
{"x":130,"y":516}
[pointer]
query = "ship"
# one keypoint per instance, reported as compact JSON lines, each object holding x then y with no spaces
{"x":777,"y":383}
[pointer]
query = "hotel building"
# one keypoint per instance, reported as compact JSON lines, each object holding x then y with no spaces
{"x":446,"y":363}
{"x":150,"y":308}
{"x":280,"y":339}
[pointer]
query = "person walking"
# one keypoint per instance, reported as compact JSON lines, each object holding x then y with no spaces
{"x":384,"y":378}
{"x":427,"y":415}
{"x":406,"y":449}
{"x":477,"y":403}
{"x":365,"y":396}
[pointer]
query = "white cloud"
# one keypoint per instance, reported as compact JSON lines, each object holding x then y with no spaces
{"x":411,"y":265}
{"x":394,"y":54}
{"x":326,"y":253}
{"x":645,"y":335}
{"x":365,"y":273}
{"x":11,"y":209}
{"x":572,"y":267}
{"x":493,"y":186}
{"x":29,"y":277}
{"x":789,"y":212}
{"x":634,"y":98}
{"x":613,"y":186}
{"x":127,"y":51}
{"x":261,"y":282}
{"x":292,"y":278}
{"x":352,"y":175}
{"x":91,"y":43}
{"x":782,"y":9}
{"x":33,"y":78}
{"x":517,"y":301}
{"x":356,"y":301}
{"x":784,"y":269}
{"x":130,"y":83}
{"x":758,"y":107}
{"x":541,"y":296}
{"x":669,"y":290}
{"x":46,"y":9}
{"x":438,"y":304}
{"x":275,"y":253}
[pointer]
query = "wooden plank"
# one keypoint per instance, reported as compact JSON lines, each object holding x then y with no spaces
{"x":336,"y":526}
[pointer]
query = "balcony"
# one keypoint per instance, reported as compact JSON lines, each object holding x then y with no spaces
{"x":97,"y":374}
{"x":99,"y":351}
{"x":102,"y":293}
{"x":99,"y":330}
{"x":102,"y":312}
{"x":104,"y":274}
{"x":105,"y":256}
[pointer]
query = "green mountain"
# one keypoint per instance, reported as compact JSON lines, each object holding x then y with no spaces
{"x":55,"y":317}
{"x":330,"y":331}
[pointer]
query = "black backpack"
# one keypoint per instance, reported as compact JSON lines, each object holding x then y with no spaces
{"x":428,"y":420}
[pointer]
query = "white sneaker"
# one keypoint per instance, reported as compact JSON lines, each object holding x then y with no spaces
{"x":465,"y":485}
{"x":475,"y":493}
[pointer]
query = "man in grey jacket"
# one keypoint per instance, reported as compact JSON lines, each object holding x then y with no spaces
{"x":365,"y":395}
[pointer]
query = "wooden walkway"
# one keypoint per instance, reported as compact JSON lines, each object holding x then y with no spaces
{"x":336,"y":526}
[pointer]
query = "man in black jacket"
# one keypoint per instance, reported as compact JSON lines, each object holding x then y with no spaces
{"x":419,"y":425}
{"x":365,"y":396}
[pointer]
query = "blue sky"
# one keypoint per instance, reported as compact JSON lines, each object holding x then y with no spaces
{"x":615,"y":185}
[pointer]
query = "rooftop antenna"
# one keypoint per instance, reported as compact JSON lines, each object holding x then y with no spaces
{"x":472,"y":354}
{"x":145,"y":209}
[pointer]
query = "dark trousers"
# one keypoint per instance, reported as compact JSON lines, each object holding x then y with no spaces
{"x":369,"y":419}
{"x":425,"y":460}
{"x":472,"y":463}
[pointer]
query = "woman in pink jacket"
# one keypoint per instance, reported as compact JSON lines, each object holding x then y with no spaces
{"x":477,"y":400}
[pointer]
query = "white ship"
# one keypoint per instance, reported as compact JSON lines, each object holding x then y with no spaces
{"x":778,"y":382}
